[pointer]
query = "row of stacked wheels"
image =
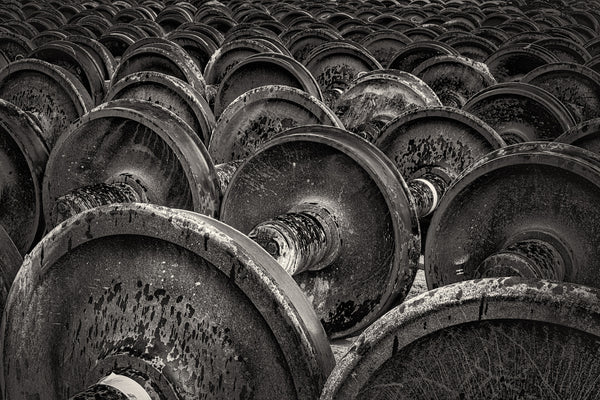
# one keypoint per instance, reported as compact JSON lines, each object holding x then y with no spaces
{"x":208,"y":199}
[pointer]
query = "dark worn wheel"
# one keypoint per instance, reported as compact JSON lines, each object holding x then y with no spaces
{"x":178,"y":302}
{"x":531,"y":212}
{"x":491,"y":338}
{"x":352,"y":229}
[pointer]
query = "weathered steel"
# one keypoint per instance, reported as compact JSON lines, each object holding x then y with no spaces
{"x":50,"y":94}
{"x":375,"y":98}
{"x":454,"y":78}
{"x":170,"y":92}
{"x":259,"y":114}
{"x":23,"y":157}
{"x":365,"y":197}
{"x":488,"y":338}
{"x":521,"y":112}
{"x":131,"y":141}
{"x":433,"y":146}
{"x":192,"y":304}
{"x":537,"y":191}
{"x":577,"y":86}
{"x":262,"y":70}
{"x":335,"y":64}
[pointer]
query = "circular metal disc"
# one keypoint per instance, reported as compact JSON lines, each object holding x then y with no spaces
{"x":335,"y":64}
{"x":414,"y":54}
{"x":520,"y":112}
{"x":230,"y":54}
{"x":578,"y":87}
{"x":261,"y":70}
{"x":77,"y":61}
{"x":137,"y":138}
{"x":370,"y":203}
{"x":170,"y":92}
{"x":565,"y":50}
{"x":23,"y":157}
{"x":258,"y":115}
{"x":302,"y":43}
{"x":50,"y":93}
{"x":177,"y":295}
{"x":377,"y":97}
{"x":552,"y":188}
{"x":445,"y":137}
{"x":15,"y":46}
{"x":10,"y":262}
{"x":585,"y":135}
{"x":99,"y":51}
{"x":472,"y":46}
{"x":501,"y":338}
{"x":454,"y":78}
{"x":168,"y":59}
{"x":385,"y":44}
{"x":513,"y":62}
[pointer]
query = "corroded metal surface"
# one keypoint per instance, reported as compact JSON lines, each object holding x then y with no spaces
{"x":548,"y":189}
{"x":585,"y":135}
{"x":416,"y":53}
{"x":263,"y":70}
{"x":88,"y":197}
{"x":335,"y":64}
{"x":228,"y":55}
{"x":259,"y":114}
{"x":48,"y":92}
{"x":142,"y":140}
{"x":513,"y":62}
{"x":161,"y":57}
{"x":23,"y":157}
{"x":489,"y":338}
{"x":367,"y":199}
{"x":10,"y":262}
{"x":77,"y":61}
{"x":306,"y":238}
{"x":170,"y":92}
{"x":420,"y":140}
{"x":520,"y":112}
{"x":375,"y":98}
{"x":577,"y":86}
{"x":148,"y":280}
{"x":454,"y":78}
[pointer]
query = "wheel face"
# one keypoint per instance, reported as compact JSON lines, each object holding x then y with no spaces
{"x":10,"y":262}
{"x":23,"y":157}
{"x":414,"y":54}
{"x":137,"y":139}
{"x":174,"y":94}
{"x":169,"y":59}
{"x":228,"y":55}
{"x":335,"y":64}
{"x":489,"y":338}
{"x":380,"y":96}
{"x":521,"y":112}
{"x":578,"y":87}
{"x":262,"y":70}
{"x":444,"y":137}
{"x":454,"y":78}
{"x":519,"y":190}
{"x":585,"y":135}
{"x":50,"y":93}
{"x":14,"y":46}
{"x":140,"y":285}
{"x":370,"y":204}
{"x":77,"y":61}
{"x":514,"y":62}
{"x":258,"y":115}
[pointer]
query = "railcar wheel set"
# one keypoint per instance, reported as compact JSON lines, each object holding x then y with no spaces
{"x":237,"y":199}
